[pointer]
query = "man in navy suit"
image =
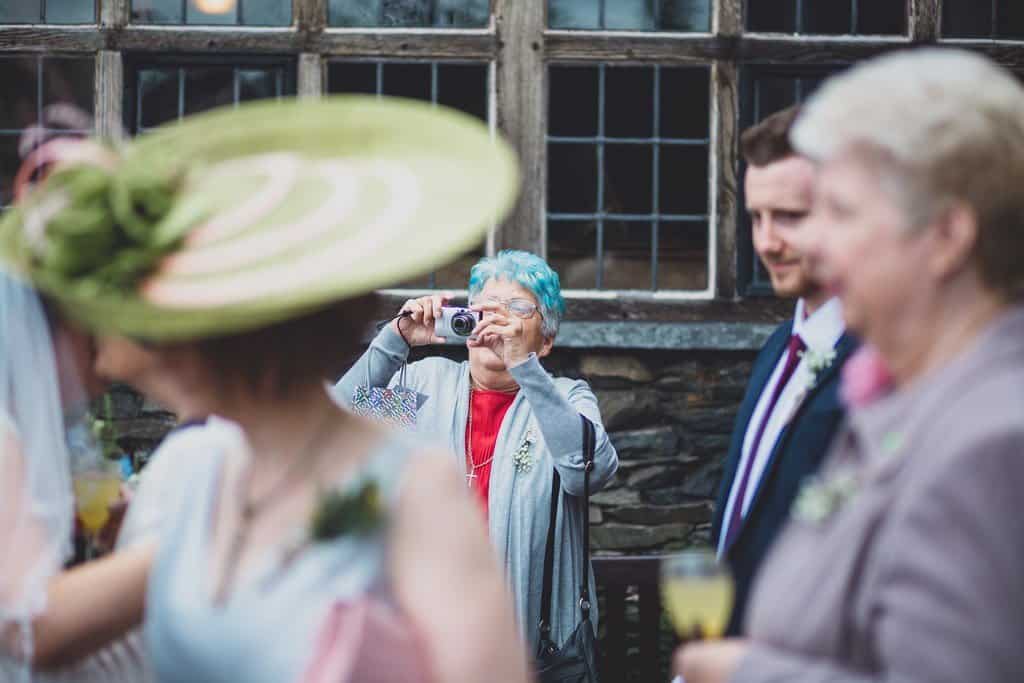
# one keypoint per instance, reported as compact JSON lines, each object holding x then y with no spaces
{"x":791,"y":409}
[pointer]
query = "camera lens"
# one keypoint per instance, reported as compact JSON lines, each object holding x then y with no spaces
{"x":463,"y":324}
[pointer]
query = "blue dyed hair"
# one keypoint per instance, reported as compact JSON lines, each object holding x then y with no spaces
{"x":531,"y":272}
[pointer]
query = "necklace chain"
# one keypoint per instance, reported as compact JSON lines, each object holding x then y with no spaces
{"x":473,"y":465}
{"x":253,"y":506}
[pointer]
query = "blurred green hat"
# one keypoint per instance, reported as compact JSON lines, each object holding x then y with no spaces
{"x":242,"y":217}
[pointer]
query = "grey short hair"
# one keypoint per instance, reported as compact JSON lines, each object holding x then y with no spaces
{"x":947,"y":125}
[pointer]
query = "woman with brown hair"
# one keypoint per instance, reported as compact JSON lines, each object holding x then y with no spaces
{"x":231,"y":243}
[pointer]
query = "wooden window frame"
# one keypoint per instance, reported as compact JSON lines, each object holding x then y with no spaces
{"x":519,"y":46}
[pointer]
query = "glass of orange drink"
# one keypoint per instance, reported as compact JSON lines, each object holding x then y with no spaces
{"x":97,"y":488}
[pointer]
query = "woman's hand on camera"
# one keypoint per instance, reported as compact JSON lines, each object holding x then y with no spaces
{"x":417,"y":328}
{"x":501,"y":333}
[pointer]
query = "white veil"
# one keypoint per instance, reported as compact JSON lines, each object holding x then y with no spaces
{"x":36,"y":501}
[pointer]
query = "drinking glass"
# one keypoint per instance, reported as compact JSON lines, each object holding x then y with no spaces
{"x":698,"y":592}
{"x":96,"y":490}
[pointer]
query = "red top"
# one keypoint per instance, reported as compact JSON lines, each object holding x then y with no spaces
{"x":487,"y":411}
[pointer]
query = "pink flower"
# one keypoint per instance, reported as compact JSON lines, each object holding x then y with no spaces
{"x":366,"y":641}
{"x":866,"y":378}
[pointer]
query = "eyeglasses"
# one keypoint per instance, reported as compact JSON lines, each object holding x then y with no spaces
{"x":520,"y":308}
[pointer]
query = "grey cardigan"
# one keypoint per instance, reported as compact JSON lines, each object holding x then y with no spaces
{"x":919,"y":576}
{"x":519,"y":501}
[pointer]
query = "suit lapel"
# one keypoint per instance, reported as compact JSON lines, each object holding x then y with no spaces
{"x":844,"y":348}
{"x":759,"y":376}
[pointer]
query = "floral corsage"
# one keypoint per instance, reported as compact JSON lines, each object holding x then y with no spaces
{"x":817,"y":362}
{"x":523,"y":457}
{"x":352,"y":513}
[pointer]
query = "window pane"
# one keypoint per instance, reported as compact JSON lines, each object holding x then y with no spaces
{"x":826,"y":18}
{"x":266,"y":13}
{"x":967,"y":18}
{"x":1010,"y":20}
{"x":165,"y":93}
{"x":157,"y":12}
{"x":352,"y":77}
{"x":629,"y":92}
{"x":258,"y":84}
{"x":573,"y":101}
{"x":208,"y":87}
{"x":881,"y":17}
{"x":31,"y":85}
{"x":457,"y":85}
{"x":69,"y":81}
{"x":682,"y":256}
{"x":628,"y":181}
{"x":410,"y":13}
{"x":772,"y":16}
{"x":463,"y":87}
{"x":158,"y":97}
{"x":407,"y":79}
{"x":572,"y":252}
{"x":70,"y":11}
{"x":10,"y":162}
{"x":213,"y":12}
{"x":649,"y":155}
{"x":572,"y":178}
{"x":631,"y":15}
{"x":684,"y":179}
{"x":627,"y":255}
{"x":20,"y":11}
{"x":19,"y":107}
{"x":685,"y":103}
{"x":836,"y":17}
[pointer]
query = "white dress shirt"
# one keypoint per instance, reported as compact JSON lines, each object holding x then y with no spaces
{"x":820,"y":332}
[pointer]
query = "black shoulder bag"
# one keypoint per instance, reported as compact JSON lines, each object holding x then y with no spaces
{"x":576,"y":660}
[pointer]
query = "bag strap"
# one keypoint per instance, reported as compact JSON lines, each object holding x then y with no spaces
{"x":549,"y":550}
{"x":589,"y":444}
{"x":549,"y":562}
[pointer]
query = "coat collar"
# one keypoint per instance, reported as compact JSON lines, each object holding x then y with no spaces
{"x":887,"y":425}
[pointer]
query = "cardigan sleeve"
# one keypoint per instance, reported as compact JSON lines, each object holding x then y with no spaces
{"x":949,"y":605}
{"x":559,"y":422}
{"x":381,"y":361}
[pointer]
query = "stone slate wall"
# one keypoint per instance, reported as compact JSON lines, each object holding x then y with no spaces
{"x":670,"y":415}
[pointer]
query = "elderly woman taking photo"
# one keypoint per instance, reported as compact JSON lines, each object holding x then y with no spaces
{"x":903,"y":561}
{"x":510,"y":424}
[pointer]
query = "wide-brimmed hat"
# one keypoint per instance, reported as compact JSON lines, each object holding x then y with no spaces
{"x":239,"y":218}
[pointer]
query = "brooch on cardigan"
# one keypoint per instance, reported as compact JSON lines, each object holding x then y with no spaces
{"x":523,"y":457}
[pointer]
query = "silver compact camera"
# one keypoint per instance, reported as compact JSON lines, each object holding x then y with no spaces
{"x":456,"y":324}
